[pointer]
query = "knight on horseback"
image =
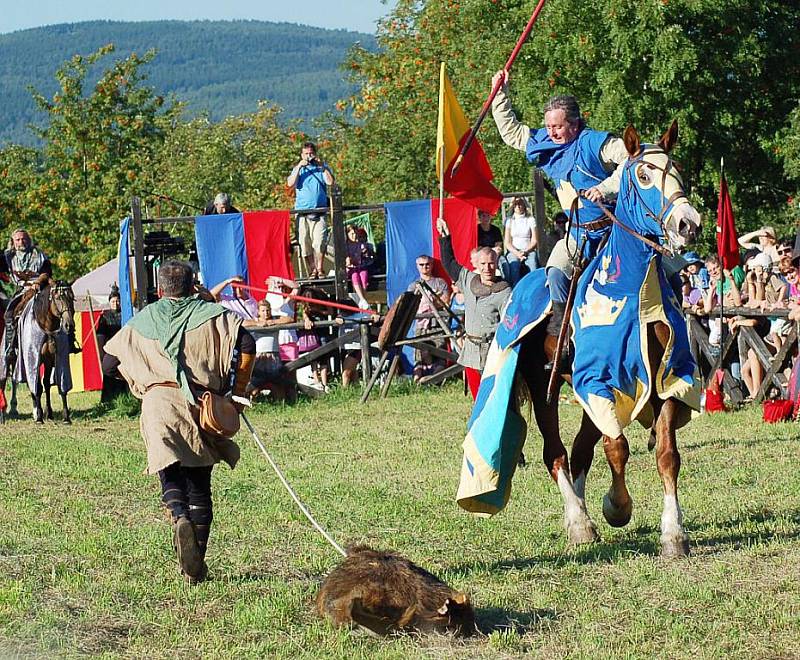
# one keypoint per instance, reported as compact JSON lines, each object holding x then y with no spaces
{"x":584,"y":165}
{"x":28,"y":267}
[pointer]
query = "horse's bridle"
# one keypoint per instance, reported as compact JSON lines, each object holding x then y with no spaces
{"x":58,"y":298}
{"x":665,"y":172}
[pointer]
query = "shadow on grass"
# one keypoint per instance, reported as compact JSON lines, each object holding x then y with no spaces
{"x":491,"y":619}
{"x":743,"y":530}
{"x":640,"y":542}
{"x":727,"y":443}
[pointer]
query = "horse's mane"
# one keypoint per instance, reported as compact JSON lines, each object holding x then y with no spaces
{"x":41,"y":301}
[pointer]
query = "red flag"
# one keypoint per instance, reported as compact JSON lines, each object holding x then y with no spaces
{"x":473,"y":181}
{"x":727,"y":241}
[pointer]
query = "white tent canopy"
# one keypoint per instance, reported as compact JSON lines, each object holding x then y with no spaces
{"x":97,"y":284}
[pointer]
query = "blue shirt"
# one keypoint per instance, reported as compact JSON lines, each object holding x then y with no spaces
{"x":310,"y":187}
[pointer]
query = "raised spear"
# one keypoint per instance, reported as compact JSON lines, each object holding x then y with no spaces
{"x":488,"y":104}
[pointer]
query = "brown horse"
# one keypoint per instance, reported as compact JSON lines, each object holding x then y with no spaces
{"x":652,"y":186}
{"x":54,"y":312}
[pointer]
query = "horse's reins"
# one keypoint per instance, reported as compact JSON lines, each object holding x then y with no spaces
{"x":658,"y":219}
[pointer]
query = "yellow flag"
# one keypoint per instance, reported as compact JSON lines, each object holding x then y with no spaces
{"x":452,"y":126}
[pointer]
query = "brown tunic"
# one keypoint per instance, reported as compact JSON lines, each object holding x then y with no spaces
{"x":169,"y":423}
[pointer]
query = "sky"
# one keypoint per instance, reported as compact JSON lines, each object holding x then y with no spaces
{"x":358,"y":15}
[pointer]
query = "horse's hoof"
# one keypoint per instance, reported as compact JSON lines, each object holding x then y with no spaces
{"x":582,"y":533}
{"x":38,"y":420}
{"x":674,"y":547}
{"x":617,"y":516}
{"x":67,"y":421}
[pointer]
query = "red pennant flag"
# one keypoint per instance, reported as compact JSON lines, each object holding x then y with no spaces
{"x":727,"y":241}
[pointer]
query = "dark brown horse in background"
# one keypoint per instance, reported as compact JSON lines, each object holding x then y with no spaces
{"x":54,"y":312}
{"x":652,"y":177}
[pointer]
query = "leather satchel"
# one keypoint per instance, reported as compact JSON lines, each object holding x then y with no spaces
{"x":218,"y":415}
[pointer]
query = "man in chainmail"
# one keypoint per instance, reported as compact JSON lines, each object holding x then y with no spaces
{"x":24,"y":263}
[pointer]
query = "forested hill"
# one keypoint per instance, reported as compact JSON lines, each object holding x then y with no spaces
{"x":223,"y":67}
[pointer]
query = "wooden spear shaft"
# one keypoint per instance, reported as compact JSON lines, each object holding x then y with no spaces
{"x":488,"y":104}
{"x":313,"y":301}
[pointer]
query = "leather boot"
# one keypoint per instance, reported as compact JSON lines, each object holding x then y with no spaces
{"x":190,"y":558}
{"x":11,"y":337}
{"x":551,"y":340}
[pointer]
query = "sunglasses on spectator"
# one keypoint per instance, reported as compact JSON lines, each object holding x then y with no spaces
{"x":785,"y":250}
{"x":427,"y":264}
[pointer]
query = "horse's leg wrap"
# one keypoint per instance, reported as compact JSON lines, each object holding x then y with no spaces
{"x":617,"y":503}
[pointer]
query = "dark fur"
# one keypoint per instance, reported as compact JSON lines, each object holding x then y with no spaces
{"x":386,"y":593}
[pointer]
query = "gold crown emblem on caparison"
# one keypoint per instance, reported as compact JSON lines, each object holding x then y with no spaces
{"x":599,"y":309}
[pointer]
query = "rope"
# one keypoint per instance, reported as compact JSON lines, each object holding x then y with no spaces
{"x":291,"y":492}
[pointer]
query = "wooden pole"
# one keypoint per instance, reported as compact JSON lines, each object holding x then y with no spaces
{"x":339,"y":243}
{"x":94,"y":335}
{"x":538,"y":200}
{"x":139,"y":269}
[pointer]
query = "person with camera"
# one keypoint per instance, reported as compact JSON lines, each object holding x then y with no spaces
{"x":309,"y":179}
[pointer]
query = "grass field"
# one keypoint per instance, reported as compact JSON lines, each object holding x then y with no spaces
{"x":86,"y":565}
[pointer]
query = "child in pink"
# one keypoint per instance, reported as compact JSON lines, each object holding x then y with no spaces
{"x":359,"y":255}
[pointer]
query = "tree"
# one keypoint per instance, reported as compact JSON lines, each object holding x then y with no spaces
{"x":247,"y":156}
{"x":710,"y":64}
{"x":96,"y":148}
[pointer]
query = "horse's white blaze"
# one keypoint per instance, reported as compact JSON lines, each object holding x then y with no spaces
{"x":682,"y":224}
{"x":672,"y":518}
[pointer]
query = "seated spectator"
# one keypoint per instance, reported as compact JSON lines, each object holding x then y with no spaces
{"x":728,"y":291}
{"x":692,"y":296}
{"x":359,"y":257}
{"x":790,"y":276}
{"x":752,"y":370}
{"x":520,"y":243}
{"x":765,"y":289}
{"x":283,"y":312}
{"x":269,"y":373}
{"x":425,"y":363}
{"x":766,"y":239}
{"x":697,"y":272}
{"x":457,"y":307}
{"x":785,"y":249}
{"x":239,"y":302}
{"x":558,"y":231}
{"x":220,"y":205}
{"x":309,"y":339}
{"x":489,"y":235}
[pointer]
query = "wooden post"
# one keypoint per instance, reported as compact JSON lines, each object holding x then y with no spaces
{"x":139,"y":270}
{"x":339,"y":244}
{"x":366,"y":362}
{"x":539,"y":213}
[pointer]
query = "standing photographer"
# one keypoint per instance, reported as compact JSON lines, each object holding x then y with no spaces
{"x":309,"y":179}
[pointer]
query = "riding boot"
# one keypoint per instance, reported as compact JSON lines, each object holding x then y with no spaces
{"x":11,"y":337}
{"x":201,"y":518}
{"x":551,"y":340}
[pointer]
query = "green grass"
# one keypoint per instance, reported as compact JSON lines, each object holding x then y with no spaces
{"x":86,"y":565}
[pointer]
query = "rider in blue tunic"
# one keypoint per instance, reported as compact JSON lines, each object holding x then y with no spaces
{"x":575,"y":158}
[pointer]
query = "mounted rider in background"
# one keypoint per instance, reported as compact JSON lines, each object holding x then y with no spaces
{"x":25,"y":263}
{"x":28,"y":268}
